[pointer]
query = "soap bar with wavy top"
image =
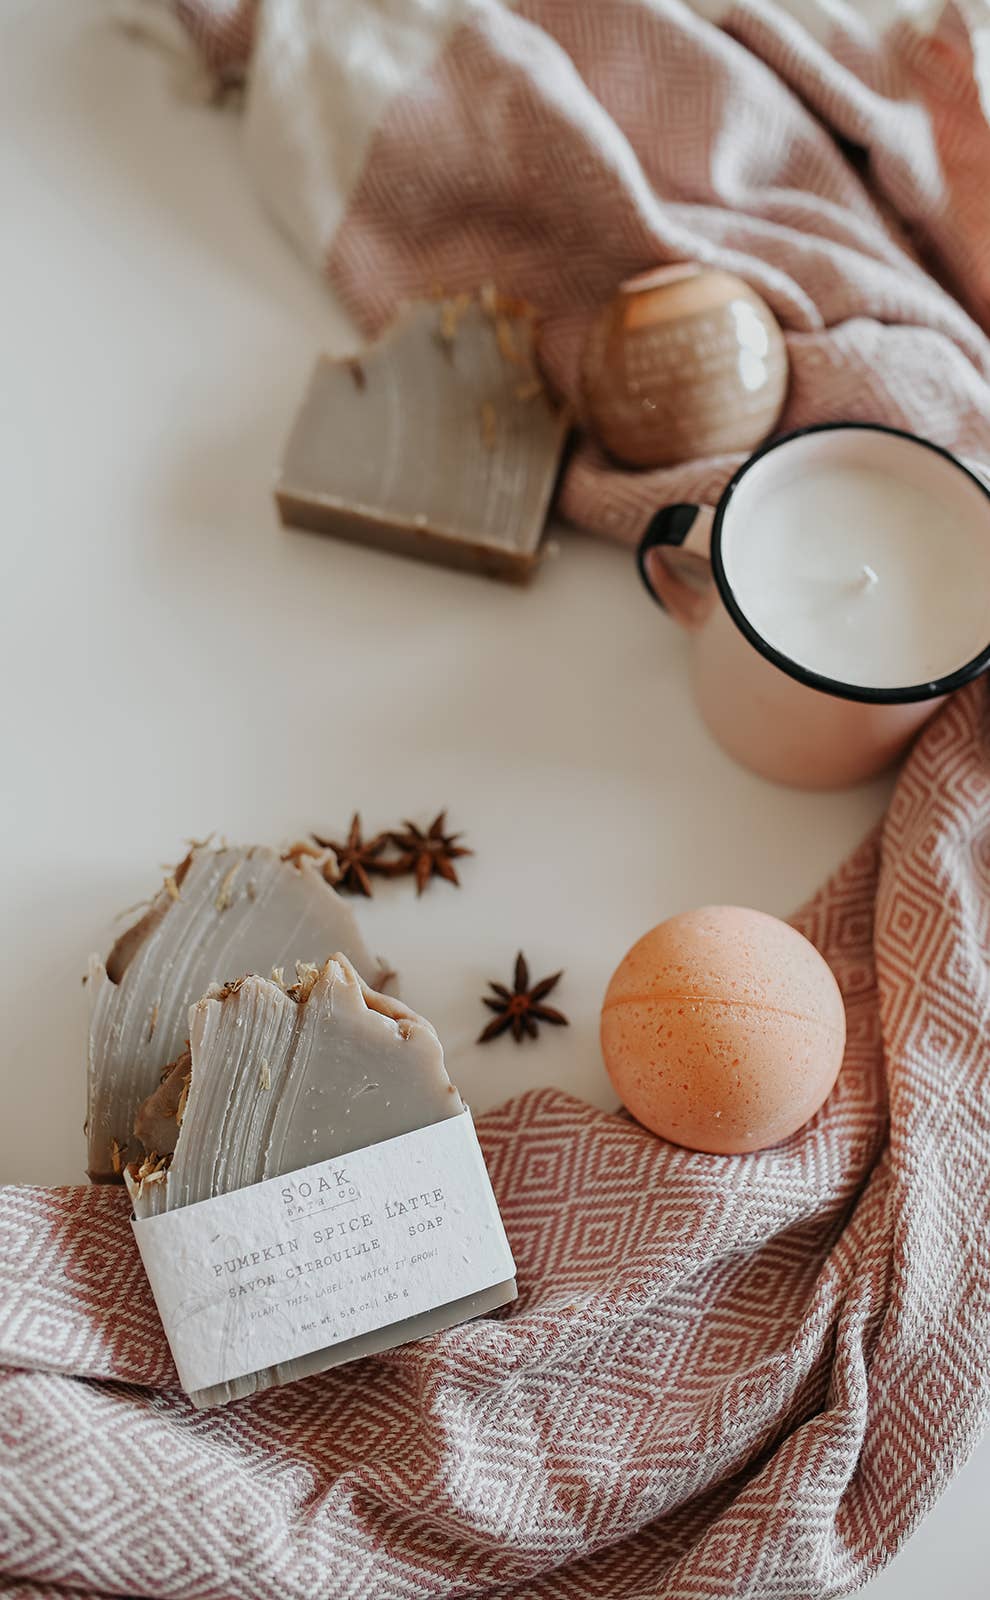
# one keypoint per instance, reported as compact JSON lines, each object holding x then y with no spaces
{"x":222,"y":913}
{"x":280,"y":1079}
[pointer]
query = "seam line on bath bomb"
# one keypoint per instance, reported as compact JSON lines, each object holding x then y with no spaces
{"x":712,"y":1000}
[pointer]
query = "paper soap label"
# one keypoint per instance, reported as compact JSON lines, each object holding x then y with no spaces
{"x":298,"y":1263}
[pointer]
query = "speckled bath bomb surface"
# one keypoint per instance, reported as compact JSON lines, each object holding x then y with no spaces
{"x":723,"y":1029}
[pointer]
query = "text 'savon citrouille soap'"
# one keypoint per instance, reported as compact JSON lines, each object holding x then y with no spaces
{"x":222,"y":912}
{"x":313,"y":1189}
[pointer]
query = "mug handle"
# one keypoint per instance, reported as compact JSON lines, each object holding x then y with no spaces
{"x":674,"y":561}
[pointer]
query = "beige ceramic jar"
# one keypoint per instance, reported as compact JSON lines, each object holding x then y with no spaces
{"x":684,"y":362}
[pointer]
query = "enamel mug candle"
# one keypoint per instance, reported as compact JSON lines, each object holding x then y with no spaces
{"x":838,"y":592}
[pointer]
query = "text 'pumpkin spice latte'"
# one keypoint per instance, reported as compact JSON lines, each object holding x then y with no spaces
{"x":223,"y":912}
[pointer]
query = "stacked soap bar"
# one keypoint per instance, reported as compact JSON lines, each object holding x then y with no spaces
{"x":439,"y":442}
{"x":220,"y":914}
{"x":206,"y":1079}
{"x":276,"y":1079}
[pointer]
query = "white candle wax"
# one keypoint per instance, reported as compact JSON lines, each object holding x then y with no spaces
{"x":860,"y":576}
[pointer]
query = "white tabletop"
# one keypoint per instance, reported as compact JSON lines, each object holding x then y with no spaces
{"x":174,"y":662}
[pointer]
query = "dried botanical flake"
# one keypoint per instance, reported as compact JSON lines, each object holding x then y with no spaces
{"x":224,"y":896}
{"x":265,"y":1075}
{"x":352,"y":1068}
{"x":220,"y":991}
{"x":172,"y":886}
{"x":306,"y":976}
{"x":357,"y":372}
{"x":451,"y":312}
{"x":489,"y":425}
{"x":494,"y":304}
{"x":137,"y":1179}
{"x":153,"y":1020}
{"x":297,"y":851}
{"x":331,"y":870}
{"x":278,"y":976}
{"x":251,"y":889}
{"x":528,"y":390}
{"x":506,"y":339}
{"x":116,"y":1158}
{"x":153,"y":1166}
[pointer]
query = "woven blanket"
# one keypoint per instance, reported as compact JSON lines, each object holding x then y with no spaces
{"x":833,"y":154}
{"x":724,"y":1375}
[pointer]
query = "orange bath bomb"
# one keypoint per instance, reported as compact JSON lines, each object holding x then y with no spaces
{"x":723,"y":1029}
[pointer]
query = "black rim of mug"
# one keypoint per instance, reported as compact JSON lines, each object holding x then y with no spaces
{"x":816,"y":680}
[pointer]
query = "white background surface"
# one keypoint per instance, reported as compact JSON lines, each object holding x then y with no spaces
{"x":174,"y":662}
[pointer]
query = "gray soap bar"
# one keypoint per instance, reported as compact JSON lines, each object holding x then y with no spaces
{"x":222,"y":913}
{"x":440,"y":442}
{"x":278,"y":1079}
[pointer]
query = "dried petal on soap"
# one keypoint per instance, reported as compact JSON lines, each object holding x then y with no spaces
{"x":141,"y":1174}
{"x":225,"y":896}
{"x":506,"y":340}
{"x":451,"y":312}
{"x":233,"y":911}
{"x":528,"y":390}
{"x":301,"y":848}
{"x":282,"y":1078}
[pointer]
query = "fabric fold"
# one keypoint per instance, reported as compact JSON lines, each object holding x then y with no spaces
{"x":835,"y":161}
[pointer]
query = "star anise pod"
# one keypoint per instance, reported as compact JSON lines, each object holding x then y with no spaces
{"x":521,"y":1008}
{"x":429,"y":853}
{"x":357,"y":858}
